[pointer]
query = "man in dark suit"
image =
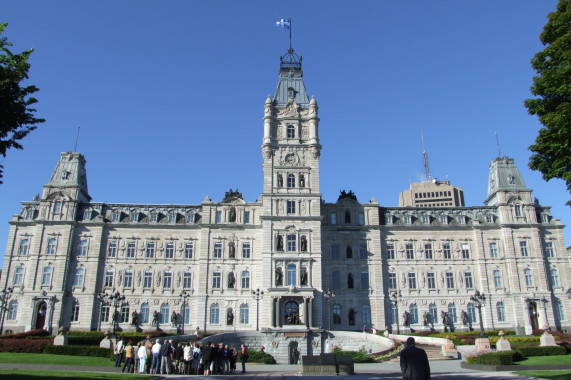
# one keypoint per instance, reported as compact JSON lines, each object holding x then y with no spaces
{"x":414,"y":362}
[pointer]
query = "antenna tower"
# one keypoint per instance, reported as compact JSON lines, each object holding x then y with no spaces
{"x":425,"y":159}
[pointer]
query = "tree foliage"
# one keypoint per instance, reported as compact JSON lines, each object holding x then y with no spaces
{"x":552,"y":86}
{"x":16,"y":117}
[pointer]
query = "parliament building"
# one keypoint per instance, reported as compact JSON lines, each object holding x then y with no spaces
{"x":288,"y":260}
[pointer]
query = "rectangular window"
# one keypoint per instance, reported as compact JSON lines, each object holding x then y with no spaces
{"x":218,"y":216}
{"x":128,"y":280}
{"x":105,"y":313}
{"x":489,"y":219}
{"x":167,"y":279}
{"x":523,"y":248}
{"x":291,"y":207}
{"x":494,"y":250}
{"x":47,"y":276}
{"x":544,"y":218}
{"x":497,"y":278}
{"x":291,"y":243}
{"x":24,"y":246}
{"x":426,"y":219}
{"x":388,"y":219}
{"x":83,"y":248}
{"x":361,"y":218}
{"x":333,"y":218}
{"x":528,"y":277}
{"x":408,"y":219}
{"x":392,"y":280}
{"x":246,"y":217}
{"x":390,"y":251}
{"x":468,"y":280}
{"x":334,"y":251}
{"x":411,"y":280}
{"x":124,"y":316}
{"x":188,"y":250}
{"x":75,"y":313}
{"x":79,"y":274}
{"x":216,"y":280}
{"x":150,"y":250}
{"x":57,"y":206}
{"x":364,"y":280}
{"x":409,"y":251}
{"x":465,"y":250}
{"x":245,"y":280}
{"x":461,"y":219}
{"x":131,"y":249}
{"x":86,"y":214}
{"x":246,"y":250}
{"x":154,"y":217}
{"x":116,"y":216}
{"x":51,"y":248}
{"x":517,"y":209}
{"x":169,"y":253}
{"x":446,"y":251}
{"x":549,"y":250}
{"x":431,"y":280}
{"x":112,"y":249}
{"x":18,"y":276}
{"x":134,"y":217}
{"x":443,"y":219}
{"x":428,"y":250}
{"x":108,"y":278}
{"x":148,"y":279}
{"x":363,"y":251}
{"x":187,"y":280}
{"x":450,"y":280}
{"x":218,"y":250}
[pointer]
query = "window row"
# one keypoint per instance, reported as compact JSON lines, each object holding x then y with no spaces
{"x":125,"y":279}
{"x":149,"y":249}
{"x":45,"y":279}
{"x":292,"y":180}
{"x":218,"y":250}
{"x":336,"y":314}
{"x":428,"y":252}
{"x":349,"y":282}
{"x":231,"y":216}
{"x":291,"y":276}
{"x":347,"y":219}
{"x":348,"y":251}
{"x":430,"y":219}
{"x":118,"y":216}
{"x":430,"y":316}
{"x":447,"y":280}
{"x":291,"y":244}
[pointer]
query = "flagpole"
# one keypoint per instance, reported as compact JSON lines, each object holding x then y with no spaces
{"x":290,"y":27}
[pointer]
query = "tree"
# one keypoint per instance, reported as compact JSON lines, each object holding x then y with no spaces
{"x":16,"y":117}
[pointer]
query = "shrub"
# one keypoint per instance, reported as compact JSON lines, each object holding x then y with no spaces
{"x":358,"y":356}
{"x":496,"y":358}
{"x":90,"y":334}
{"x":542,"y":351}
{"x":24,"y":335}
{"x":257,"y":357}
{"x":30,"y":346}
{"x":78,"y":351}
{"x":83,"y":340}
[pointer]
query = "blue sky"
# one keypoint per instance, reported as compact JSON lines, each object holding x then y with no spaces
{"x":170,"y":94}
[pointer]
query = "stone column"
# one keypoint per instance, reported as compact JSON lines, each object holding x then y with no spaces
{"x":278,"y":316}
{"x":274,"y":316}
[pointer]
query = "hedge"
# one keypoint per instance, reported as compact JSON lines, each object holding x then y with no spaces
{"x":496,"y":358}
{"x":257,"y":357}
{"x":31,"y":346}
{"x":79,"y":351}
{"x":542,"y":351}
{"x":358,"y":356}
{"x":24,"y":335}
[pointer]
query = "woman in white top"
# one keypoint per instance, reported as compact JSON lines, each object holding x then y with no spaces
{"x":187,"y":358}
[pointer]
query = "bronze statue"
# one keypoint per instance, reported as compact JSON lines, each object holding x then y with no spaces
{"x":232,"y":248}
{"x":231,"y":280}
{"x":406,"y":318}
{"x":279,"y":277}
{"x":230,"y":317}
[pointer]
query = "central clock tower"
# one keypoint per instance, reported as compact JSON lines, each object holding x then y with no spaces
{"x":291,"y":200}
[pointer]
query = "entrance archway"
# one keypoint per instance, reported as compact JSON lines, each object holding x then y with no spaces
{"x":532,"y":307}
{"x":291,"y":313}
{"x":293,"y":352}
{"x":41,"y":315}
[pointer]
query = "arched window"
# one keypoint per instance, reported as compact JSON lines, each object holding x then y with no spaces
{"x":366,"y":310}
{"x":12,"y":311}
{"x":165,"y":313}
{"x":336,"y":314}
{"x":452,"y":312}
{"x":144,"y":317}
{"x":244,"y":314}
{"x":291,"y":275}
{"x":290,"y":132}
{"x":214,"y":314}
{"x":290,"y":180}
{"x":413,"y":314}
{"x":349,"y":281}
{"x":433,"y":313}
{"x":501,"y":311}
{"x":472,"y":313}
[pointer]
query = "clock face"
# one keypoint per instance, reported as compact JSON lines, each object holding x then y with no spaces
{"x":290,"y":159}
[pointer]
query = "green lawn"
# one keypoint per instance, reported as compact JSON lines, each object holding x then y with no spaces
{"x":43,"y":375}
{"x":551,"y":375}
{"x":9,"y":357}
{"x":555,"y":359}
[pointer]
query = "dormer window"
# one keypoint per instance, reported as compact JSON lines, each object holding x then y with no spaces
{"x":172,"y":218}
{"x":134,"y":217}
{"x":489,"y":219}
{"x":30,"y":213}
{"x":86,"y":214}
{"x":116,"y":216}
{"x":154,"y":217}
{"x":517,"y":210}
{"x":408,"y":219}
{"x":57,"y":206}
{"x":443,"y":219}
{"x":290,"y":132}
{"x":462,"y":219}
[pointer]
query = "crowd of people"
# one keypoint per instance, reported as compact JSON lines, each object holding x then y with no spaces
{"x":163,"y":356}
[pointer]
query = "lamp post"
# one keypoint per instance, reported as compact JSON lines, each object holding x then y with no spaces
{"x":184,"y":295}
{"x":329,"y":295}
{"x":479,"y":299}
{"x":5,"y":296}
{"x":258,"y":294}
{"x":117,"y":300}
{"x":395,"y":296}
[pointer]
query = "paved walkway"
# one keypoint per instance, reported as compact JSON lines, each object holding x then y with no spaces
{"x":441,"y":370}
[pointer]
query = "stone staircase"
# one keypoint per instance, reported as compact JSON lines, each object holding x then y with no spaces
{"x":434,"y":353}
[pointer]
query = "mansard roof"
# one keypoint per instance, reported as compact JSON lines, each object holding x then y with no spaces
{"x":290,"y":83}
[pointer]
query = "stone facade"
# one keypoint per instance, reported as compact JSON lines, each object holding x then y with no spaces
{"x":379,"y":262}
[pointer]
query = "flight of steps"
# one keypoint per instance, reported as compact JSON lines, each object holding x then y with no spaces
{"x":433,"y":353}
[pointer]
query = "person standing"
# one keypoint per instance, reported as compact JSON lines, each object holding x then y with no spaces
{"x":206,"y":354}
{"x":129,"y":357}
{"x":414,"y":362}
{"x":156,"y":363}
{"x":165,"y":354}
{"x":233,"y":355}
{"x":119,"y":352}
{"x":244,"y":357}
{"x":136,"y":356}
{"x":142,"y":355}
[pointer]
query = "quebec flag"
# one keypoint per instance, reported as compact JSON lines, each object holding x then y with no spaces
{"x":284,"y":23}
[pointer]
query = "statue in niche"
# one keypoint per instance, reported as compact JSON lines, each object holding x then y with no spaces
{"x":464,"y":317}
{"x":280,"y":245}
{"x":155,"y":321}
{"x":349,"y":281}
{"x":301,"y":180}
{"x":445,"y":320}
{"x":303,"y":276}
{"x":280,"y":180}
{"x":174,"y":317}
{"x":134,"y":318}
{"x":352,"y":317}
{"x":232,"y":215}
{"x":231,"y":280}
{"x":229,"y":317}
{"x":279,"y":277}
{"x":231,"y":250}
{"x":347,"y":217}
{"x":303,"y":243}
{"x":406,"y":318}
{"x":425,"y":318}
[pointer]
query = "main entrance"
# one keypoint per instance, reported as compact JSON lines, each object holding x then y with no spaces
{"x":532,"y":307}
{"x":41,"y":315}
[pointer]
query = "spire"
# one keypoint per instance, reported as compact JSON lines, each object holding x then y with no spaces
{"x":290,"y":84}
{"x":504,"y":177}
{"x":70,"y":175}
